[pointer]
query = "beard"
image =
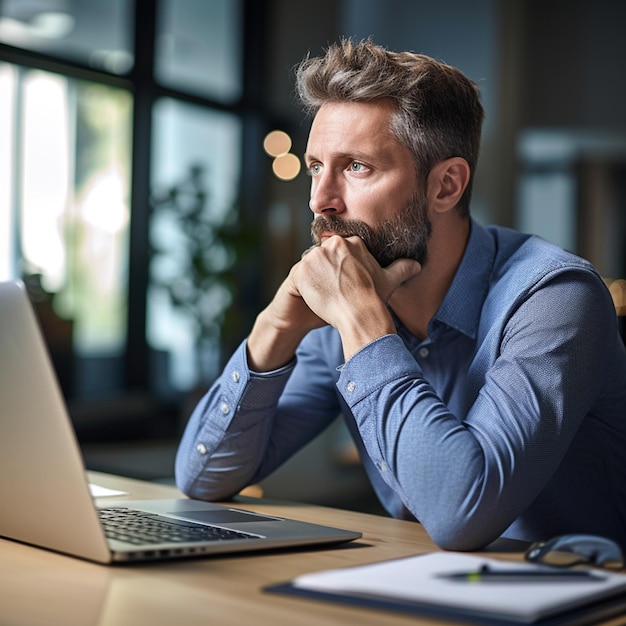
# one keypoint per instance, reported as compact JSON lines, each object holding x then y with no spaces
{"x":404,"y":236}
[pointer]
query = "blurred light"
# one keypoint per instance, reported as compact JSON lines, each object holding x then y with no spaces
{"x":276,"y":143}
{"x":52,"y":25}
{"x":48,"y":25}
{"x":114,"y":61}
{"x":286,"y":166}
{"x":103,"y":206}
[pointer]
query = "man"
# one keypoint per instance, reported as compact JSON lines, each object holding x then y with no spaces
{"x":479,"y":370}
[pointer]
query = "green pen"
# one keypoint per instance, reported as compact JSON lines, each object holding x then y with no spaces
{"x":487,"y":575}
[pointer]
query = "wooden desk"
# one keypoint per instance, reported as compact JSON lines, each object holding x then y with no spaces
{"x":40,"y":587}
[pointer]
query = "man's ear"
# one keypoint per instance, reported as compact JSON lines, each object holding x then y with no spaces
{"x":446,"y":183}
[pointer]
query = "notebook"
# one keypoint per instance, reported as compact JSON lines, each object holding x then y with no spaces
{"x":44,"y":491}
{"x":437,"y":585}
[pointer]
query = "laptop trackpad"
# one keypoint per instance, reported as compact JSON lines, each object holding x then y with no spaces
{"x":226,"y":516}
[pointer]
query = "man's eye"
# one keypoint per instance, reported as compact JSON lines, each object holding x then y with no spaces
{"x":315,"y":169}
{"x":355,"y":166}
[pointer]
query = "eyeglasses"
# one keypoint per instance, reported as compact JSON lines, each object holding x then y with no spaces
{"x":568,"y":550}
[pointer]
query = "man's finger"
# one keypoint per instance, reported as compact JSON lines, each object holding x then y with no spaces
{"x":402,"y":270}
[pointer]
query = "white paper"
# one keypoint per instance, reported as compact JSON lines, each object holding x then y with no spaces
{"x":417,"y":579}
{"x":97,"y":491}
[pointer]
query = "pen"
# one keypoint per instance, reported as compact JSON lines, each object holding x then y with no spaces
{"x":484,"y":574}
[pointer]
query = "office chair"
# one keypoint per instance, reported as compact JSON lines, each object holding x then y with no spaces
{"x":618,"y":292}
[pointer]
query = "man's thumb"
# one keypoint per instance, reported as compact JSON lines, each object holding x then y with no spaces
{"x":402,"y":270}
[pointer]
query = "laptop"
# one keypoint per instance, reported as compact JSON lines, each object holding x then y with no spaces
{"x":44,"y":491}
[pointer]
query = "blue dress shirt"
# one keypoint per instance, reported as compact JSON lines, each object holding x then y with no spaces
{"x":508,"y":420}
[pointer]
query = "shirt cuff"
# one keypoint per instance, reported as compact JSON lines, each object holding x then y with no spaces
{"x":383,"y":360}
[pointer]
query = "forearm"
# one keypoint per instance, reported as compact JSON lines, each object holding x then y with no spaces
{"x":248,"y":424}
{"x":467,"y":478}
{"x":226,"y":437}
{"x":426,"y":455}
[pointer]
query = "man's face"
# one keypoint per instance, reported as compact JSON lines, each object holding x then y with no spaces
{"x":364,"y":182}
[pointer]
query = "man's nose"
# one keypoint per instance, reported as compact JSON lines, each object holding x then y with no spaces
{"x":326,"y":196}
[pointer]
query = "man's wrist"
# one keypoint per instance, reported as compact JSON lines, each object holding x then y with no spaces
{"x":366,"y":325}
{"x":270,"y":348}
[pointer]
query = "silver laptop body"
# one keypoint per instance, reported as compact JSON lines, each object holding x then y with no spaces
{"x":45,"y":498}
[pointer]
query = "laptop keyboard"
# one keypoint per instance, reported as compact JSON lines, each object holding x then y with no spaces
{"x":139,"y":527}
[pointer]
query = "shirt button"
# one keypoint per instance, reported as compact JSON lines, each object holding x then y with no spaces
{"x":235,"y":376}
{"x":201,"y":448}
{"x":383,"y":466}
{"x":351,"y":386}
{"x":224,"y":408}
{"x":423,"y":352}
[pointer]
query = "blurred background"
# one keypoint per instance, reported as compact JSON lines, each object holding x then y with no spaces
{"x":151,"y":193}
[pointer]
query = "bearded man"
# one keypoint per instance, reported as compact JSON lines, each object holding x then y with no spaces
{"x":478,"y":369}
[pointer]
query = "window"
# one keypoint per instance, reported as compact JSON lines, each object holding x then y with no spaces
{"x":198,"y":47}
{"x":90,"y":32}
{"x":197,"y":153}
{"x":76,"y":178}
{"x":67,"y":171}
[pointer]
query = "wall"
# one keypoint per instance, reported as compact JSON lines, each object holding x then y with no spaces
{"x":542,"y":65}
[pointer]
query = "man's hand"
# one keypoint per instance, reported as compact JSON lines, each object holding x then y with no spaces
{"x":338,"y":283}
{"x":280,"y":327}
{"x":341,"y":282}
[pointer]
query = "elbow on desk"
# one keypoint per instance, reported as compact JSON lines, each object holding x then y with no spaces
{"x":195,"y":485}
{"x":459,"y":543}
{"x":199,"y":490}
{"x":190,"y":476}
{"x":461,"y":537}
{"x":185,"y":484}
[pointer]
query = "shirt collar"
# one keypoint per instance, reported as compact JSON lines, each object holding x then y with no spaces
{"x":463,"y":302}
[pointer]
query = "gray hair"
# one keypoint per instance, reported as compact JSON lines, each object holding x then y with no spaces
{"x":438,"y":110}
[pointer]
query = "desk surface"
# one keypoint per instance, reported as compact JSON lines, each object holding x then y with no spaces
{"x":41,"y":587}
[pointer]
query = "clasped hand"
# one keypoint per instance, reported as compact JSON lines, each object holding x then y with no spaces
{"x":340,"y":283}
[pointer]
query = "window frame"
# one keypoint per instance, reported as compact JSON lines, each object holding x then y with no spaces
{"x":145,"y":91}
